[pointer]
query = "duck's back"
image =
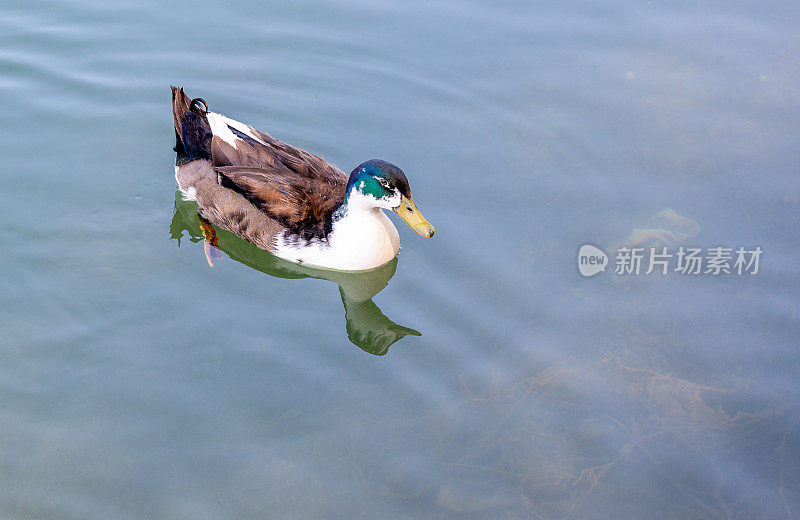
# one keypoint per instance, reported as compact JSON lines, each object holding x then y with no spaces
{"x":250,"y":183}
{"x":299,"y":189}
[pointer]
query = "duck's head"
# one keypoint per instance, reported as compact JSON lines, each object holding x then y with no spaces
{"x":379,"y":184}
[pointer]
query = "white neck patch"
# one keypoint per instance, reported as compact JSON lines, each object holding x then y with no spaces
{"x":357,"y":200}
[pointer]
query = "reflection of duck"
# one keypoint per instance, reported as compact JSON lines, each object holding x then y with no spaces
{"x":367,"y":327}
{"x":285,"y":200}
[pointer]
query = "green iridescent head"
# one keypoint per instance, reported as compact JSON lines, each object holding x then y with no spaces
{"x":379,"y":179}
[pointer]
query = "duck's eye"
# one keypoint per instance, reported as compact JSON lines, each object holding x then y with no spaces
{"x":383,"y":182}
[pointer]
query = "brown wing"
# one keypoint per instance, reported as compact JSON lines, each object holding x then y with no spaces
{"x":292,"y":186}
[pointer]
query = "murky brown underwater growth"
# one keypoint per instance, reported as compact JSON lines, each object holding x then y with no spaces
{"x":612,"y":436}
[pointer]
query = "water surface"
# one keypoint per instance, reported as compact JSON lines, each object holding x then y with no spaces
{"x":136,"y":382}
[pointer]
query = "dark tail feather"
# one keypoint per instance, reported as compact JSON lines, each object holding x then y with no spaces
{"x":192,"y":132}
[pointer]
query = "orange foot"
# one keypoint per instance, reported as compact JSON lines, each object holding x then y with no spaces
{"x":210,"y":246}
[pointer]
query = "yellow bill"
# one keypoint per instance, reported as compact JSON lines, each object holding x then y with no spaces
{"x":409,"y":212}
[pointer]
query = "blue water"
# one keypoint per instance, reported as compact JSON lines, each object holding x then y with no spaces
{"x":137,"y":382}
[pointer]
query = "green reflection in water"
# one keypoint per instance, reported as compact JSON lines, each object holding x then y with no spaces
{"x":367,"y":327}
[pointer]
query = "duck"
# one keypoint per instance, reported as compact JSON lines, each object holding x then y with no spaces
{"x":285,"y":200}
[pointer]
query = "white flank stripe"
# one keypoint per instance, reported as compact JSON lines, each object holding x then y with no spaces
{"x":243,"y":128}
{"x":219,"y":127}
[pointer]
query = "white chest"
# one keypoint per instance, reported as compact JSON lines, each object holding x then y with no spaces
{"x":363,"y":239}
